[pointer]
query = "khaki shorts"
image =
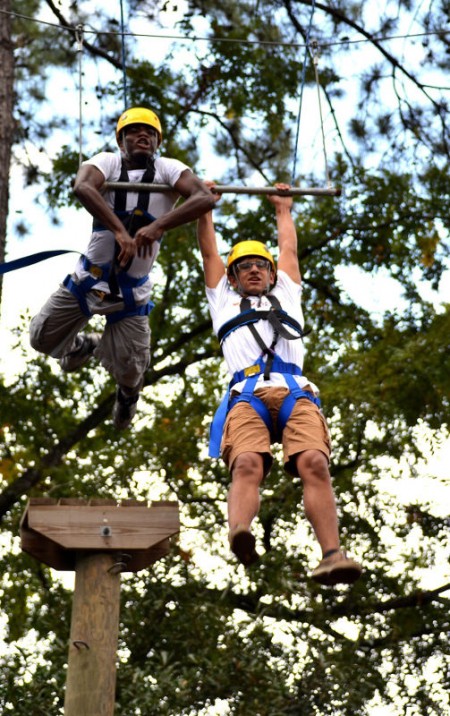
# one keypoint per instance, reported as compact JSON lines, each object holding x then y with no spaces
{"x":245,"y":430}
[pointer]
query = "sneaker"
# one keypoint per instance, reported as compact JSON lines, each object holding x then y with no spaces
{"x":242,"y":543}
{"x":124,"y":410}
{"x":337,"y":568}
{"x":78,"y":357}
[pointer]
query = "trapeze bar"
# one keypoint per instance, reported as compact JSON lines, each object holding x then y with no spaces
{"x":226,"y":189}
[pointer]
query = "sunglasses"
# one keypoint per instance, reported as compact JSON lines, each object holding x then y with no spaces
{"x":259,"y":263}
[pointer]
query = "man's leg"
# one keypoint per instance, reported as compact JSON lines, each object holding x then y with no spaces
{"x":54,"y":330}
{"x":125,"y":353}
{"x":243,"y":495}
{"x":246,"y":452}
{"x":318,"y":498}
{"x":243,"y":505}
{"x":320,"y":509}
{"x":306,"y":445}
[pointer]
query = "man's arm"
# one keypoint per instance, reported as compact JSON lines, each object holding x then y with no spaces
{"x":88,"y":183}
{"x":287,"y":234}
{"x":199,"y":200}
{"x":212,"y":263}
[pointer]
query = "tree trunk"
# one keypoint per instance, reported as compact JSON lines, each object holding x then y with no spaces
{"x":6,"y":119}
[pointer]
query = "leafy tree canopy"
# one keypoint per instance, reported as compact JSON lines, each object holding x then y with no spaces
{"x":196,"y":632}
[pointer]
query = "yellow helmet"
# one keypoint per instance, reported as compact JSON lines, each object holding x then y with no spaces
{"x":249,"y":248}
{"x":139,"y":115}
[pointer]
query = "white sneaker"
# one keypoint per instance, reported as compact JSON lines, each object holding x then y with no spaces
{"x":78,"y":357}
{"x":124,"y":410}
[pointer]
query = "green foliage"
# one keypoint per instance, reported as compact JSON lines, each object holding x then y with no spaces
{"x":195,"y":629}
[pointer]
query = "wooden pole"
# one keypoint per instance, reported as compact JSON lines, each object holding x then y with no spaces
{"x":98,"y":539}
{"x":91,"y":675}
{"x":229,"y":189}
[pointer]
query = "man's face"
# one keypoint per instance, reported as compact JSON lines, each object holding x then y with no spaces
{"x":138,"y":142}
{"x":252,"y":276}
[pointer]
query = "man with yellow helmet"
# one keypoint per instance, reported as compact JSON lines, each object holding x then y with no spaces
{"x":256,"y":313}
{"x":112,"y":277}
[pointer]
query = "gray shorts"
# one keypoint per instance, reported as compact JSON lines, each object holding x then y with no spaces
{"x":245,"y":430}
{"x":124,"y":349}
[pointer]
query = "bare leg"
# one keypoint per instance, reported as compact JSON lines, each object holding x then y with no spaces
{"x":320,"y":509}
{"x":243,"y":505}
{"x":318,"y":498}
{"x":243,"y":495}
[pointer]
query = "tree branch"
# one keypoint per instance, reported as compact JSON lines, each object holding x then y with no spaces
{"x":54,"y":457}
{"x":95,"y":51}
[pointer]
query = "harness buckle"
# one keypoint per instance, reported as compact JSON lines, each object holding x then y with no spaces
{"x":252,"y":370}
{"x":101,"y":294}
{"x":96,"y":271}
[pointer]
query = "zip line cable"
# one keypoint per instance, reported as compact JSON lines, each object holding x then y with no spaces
{"x":270,"y":43}
{"x":315,"y":47}
{"x":302,"y":85}
{"x":124,"y":68}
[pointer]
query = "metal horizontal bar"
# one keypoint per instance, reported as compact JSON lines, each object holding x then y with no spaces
{"x":229,"y":189}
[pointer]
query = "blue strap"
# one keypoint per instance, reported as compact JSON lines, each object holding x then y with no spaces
{"x":278,"y":366}
{"x":258,"y":405}
{"x":32,"y":259}
{"x":126,"y":284}
{"x":246,"y":396}
{"x":288,"y":370}
{"x":127,"y":313}
{"x":80,"y":291}
{"x":101,"y":273}
{"x":295,"y":393}
{"x":216,"y":427}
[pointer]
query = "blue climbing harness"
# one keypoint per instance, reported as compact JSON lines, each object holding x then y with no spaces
{"x":118,"y":280}
{"x":125,"y":284}
{"x":251,"y":374}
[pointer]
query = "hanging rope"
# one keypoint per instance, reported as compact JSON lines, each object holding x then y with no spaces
{"x":315,"y":56}
{"x":302,"y":85}
{"x":79,"y":39}
{"x":124,"y":68}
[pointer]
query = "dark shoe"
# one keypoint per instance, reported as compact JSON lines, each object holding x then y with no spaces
{"x":124,"y":410}
{"x":242,"y":543}
{"x":75,"y":359}
{"x":337,"y":568}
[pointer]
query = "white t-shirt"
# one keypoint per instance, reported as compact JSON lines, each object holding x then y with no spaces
{"x":100,"y":249}
{"x":240,"y":348}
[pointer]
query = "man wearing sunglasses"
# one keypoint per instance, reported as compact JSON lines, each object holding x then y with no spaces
{"x":256,"y":313}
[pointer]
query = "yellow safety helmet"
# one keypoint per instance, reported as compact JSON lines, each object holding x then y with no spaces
{"x":249,"y":248}
{"x":139,"y":115}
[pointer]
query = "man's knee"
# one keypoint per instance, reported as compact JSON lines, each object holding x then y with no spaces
{"x":313,"y":464}
{"x":35,"y":333}
{"x":249,"y":466}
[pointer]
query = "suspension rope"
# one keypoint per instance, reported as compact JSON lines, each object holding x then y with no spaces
{"x":79,"y":39}
{"x":302,"y":85}
{"x":315,"y":56}
{"x":124,"y":68}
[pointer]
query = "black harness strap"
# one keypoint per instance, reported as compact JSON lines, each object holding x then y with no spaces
{"x":275,"y":316}
{"x":120,"y":199}
{"x":132,"y":220}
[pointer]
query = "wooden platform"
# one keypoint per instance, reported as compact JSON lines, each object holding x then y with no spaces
{"x":57,"y":531}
